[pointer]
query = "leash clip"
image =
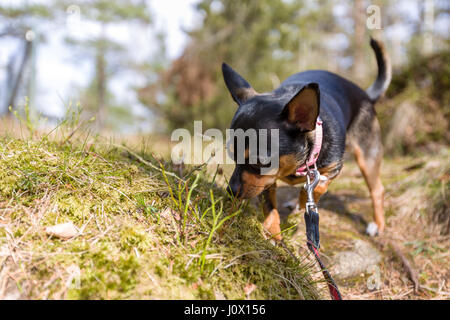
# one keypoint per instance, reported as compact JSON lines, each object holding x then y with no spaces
{"x":311,"y":212}
{"x":310,"y":186}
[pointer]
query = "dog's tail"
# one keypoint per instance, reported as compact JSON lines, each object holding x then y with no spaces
{"x":376,"y":90}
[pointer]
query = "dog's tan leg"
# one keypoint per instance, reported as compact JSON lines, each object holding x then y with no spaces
{"x":272,"y":217}
{"x":368,"y":155}
{"x":370,"y":168}
{"x":321,"y":189}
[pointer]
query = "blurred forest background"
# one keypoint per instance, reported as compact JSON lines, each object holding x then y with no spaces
{"x":134,"y":70}
{"x":114,"y":60}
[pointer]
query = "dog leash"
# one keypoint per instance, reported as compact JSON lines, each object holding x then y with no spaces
{"x":312,"y":230}
{"x":311,"y":212}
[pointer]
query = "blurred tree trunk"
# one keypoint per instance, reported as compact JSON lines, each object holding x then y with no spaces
{"x":101,"y":86}
{"x":428,"y":26}
{"x":396,"y":43}
{"x":359,"y":19}
{"x":16,"y":80}
{"x":9,"y":83}
{"x":106,"y":53}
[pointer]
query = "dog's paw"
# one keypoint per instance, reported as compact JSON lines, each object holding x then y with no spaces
{"x":372,"y":229}
{"x":272,"y":225}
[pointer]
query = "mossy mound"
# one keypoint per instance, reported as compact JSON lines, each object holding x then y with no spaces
{"x":142,"y":232}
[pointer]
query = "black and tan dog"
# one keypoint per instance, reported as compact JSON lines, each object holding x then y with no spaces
{"x":346,"y":110}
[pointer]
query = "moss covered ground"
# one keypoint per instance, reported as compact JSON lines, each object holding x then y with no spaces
{"x":142,"y":231}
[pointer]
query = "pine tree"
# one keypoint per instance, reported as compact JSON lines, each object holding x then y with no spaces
{"x":261,"y":39}
{"x":107,"y":55}
{"x":19,"y":22}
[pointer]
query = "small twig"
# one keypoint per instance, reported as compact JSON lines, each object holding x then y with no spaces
{"x":407,"y":265}
{"x":412,"y":273}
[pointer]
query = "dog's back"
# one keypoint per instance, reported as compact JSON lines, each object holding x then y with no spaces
{"x":349,"y":97}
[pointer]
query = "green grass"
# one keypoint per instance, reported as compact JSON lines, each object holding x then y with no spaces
{"x":144,"y":232}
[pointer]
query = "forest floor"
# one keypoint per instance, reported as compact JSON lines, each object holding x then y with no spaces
{"x":95,"y":220}
{"x":417,"y":190}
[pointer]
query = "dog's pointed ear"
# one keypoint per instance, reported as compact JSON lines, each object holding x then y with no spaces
{"x":239,"y":88}
{"x":303,"y":109}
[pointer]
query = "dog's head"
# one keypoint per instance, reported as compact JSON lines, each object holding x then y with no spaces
{"x":292,"y":109}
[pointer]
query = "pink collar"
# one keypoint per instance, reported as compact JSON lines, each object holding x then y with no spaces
{"x":303,"y":170}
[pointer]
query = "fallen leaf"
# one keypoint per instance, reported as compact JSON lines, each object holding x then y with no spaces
{"x":63,"y":230}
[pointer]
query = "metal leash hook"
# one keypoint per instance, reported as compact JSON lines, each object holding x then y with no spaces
{"x":312,"y":229}
{"x":311,"y":212}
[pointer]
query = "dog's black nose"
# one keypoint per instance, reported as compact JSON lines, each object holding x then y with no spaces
{"x":234,"y":185}
{"x":234,"y":189}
